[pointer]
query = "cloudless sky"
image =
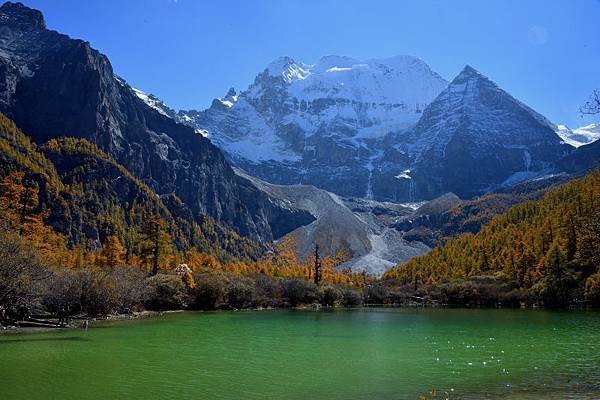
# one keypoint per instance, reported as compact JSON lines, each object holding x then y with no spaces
{"x":546,"y":53}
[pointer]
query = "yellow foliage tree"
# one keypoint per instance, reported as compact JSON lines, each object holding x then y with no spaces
{"x":113,"y":252}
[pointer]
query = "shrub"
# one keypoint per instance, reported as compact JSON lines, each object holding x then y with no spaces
{"x":268,"y":291}
{"x":131,"y":289}
{"x":81,"y":291}
{"x":210,"y":291}
{"x":241,"y":293}
{"x":377,"y":294}
{"x":592,"y":289}
{"x":330,"y":295}
{"x":166,"y":292}
{"x":299,"y":291}
{"x":351,"y":297}
{"x":22,"y":274}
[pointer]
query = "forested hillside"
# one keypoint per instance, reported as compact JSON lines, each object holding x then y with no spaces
{"x":549,"y":247}
{"x":448,"y":217}
{"x":86,"y":197}
{"x":79,"y":232}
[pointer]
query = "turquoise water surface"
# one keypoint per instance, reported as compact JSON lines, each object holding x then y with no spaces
{"x":379,"y":353}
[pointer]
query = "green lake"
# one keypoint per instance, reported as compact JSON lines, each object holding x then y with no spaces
{"x":378,"y":353}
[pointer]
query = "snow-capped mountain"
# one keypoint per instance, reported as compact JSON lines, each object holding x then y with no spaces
{"x":320,"y":124}
{"x":475,"y":137}
{"x":580,"y":136}
{"x":389,"y":129}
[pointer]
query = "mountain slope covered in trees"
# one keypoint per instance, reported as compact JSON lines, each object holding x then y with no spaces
{"x":448,"y":217}
{"x":86,"y":197}
{"x":548,"y":247}
{"x":52,"y":86}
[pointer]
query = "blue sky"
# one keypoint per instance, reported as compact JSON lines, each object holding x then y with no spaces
{"x":545,"y":53}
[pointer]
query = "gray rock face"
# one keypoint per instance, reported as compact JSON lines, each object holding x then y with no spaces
{"x":52,"y":85}
{"x":362,"y":228}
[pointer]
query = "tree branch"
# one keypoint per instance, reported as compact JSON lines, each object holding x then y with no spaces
{"x":592,"y":106}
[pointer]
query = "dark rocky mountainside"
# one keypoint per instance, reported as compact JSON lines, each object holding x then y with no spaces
{"x":584,"y":158}
{"x":52,"y":86}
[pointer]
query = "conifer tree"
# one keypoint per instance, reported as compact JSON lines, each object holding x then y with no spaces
{"x":317,"y":266}
{"x":157,"y":243}
{"x":554,"y":287}
{"x":571,"y":238}
{"x":113,"y":251}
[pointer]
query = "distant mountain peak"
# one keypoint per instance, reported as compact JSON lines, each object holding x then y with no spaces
{"x":327,"y":66}
{"x":475,"y":135}
{"x":18,"y":14}
{"x":229,"y":99}
{"x":468,"y":70}
{"x":471,"y":87}
{"x":333,"y":61}
{"x":323,"y":123}
{"x":286,"y":68}
{"x":470,"y":74}
{"x":580,"y":136}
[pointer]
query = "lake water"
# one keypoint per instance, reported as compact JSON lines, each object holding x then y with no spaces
{"x":347,"y":354}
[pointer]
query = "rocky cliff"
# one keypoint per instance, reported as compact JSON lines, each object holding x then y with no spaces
{"x":52,"y":85}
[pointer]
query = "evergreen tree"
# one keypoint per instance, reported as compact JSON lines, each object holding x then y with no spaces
{"x":588,"y":238}
{"x":554,"y":286}
{"x":157,"y":243}
{"x":571,"y":238}
{"x":317,"y":266}
{"x":113,"y":252}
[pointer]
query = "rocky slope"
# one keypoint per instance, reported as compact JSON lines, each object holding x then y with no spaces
{"x":360,"y":227}
{"x":52,"y":85}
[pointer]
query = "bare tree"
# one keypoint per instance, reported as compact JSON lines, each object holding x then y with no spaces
{"x":21,"y":272}
{"x":592,"y":106}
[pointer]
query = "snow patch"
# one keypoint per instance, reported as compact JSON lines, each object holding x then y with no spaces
{"x":404,"y":175}
{"x":151,"y":101}
{"x":338,"y":69}
{"x":579,"y":136}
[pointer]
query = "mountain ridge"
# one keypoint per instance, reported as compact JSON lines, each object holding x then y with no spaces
{"x":383,"y":161}
{"x":52,"y":85}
